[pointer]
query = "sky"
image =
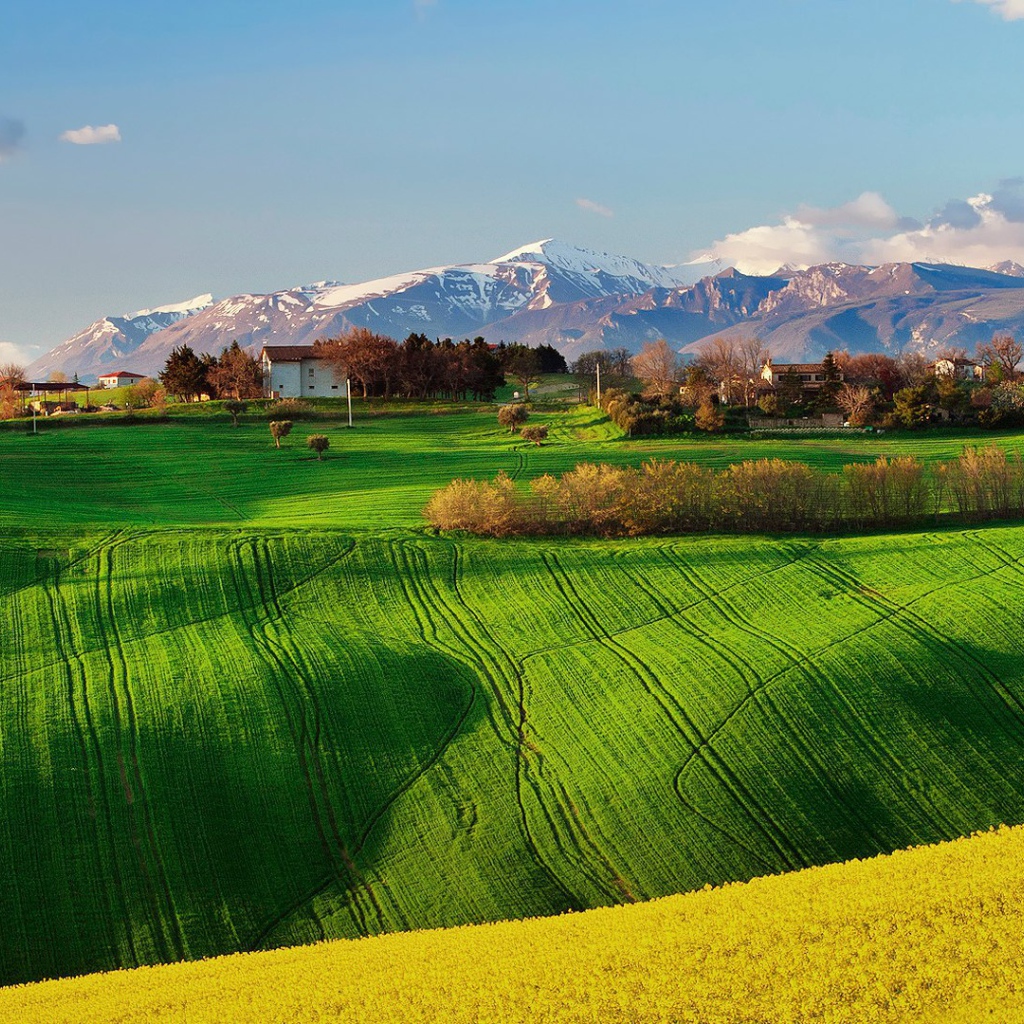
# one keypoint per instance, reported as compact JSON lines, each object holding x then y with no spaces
{"x":150,"y":152}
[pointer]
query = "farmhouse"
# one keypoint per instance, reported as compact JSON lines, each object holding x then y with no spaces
{"x":812,"y":375}
{"x":120,"y":379}
{"x":958,"y":368}
{"x":294,"y":371}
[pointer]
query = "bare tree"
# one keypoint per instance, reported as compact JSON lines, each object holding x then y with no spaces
{"x":857,"y":401}
{"x":658,"y":367}
{"x":1002,"y":354}
{"x":11,"y":375}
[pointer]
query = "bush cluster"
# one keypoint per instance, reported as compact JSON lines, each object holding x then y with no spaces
{"x":762,"y":496}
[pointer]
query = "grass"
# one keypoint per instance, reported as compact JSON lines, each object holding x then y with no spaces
{"x":249,"y":701}
{"x":247,"y":739}
{"x":196,"y":469}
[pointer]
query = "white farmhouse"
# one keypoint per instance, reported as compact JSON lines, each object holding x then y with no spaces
{"x":293,"y":371}
{"x":120,"y":379}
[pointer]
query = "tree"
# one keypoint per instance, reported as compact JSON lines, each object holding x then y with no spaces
{"x":319,"y":443}
{"x":58,"y":377}
{"x":657,"y":365}
{"x":279,"y":429}
{"x":912,"y":408}
{"x":372,"y":360}
{"x":523,"y":363}
{"x":12,"y":377}
{"x":1001,"y":357}
{"x":236,"y":374}
{"x":235,"y":408}
{"x":857,"y":401}
{"x":513,"y":416}
{"x":550,"y":360}
{"x":709,"y":417}
{"x":789,"y":391}
{"x":535,"y":434}
{"x":184,"y":374}
{"x":828,"y":393}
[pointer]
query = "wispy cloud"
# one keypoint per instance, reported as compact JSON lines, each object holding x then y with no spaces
{"x":980,"y":231}
{"x":12,"y":134}
{"x":591,"y":207}
{"x":1008,"y":10}
{"x":90,"y":136}
{"x":423,"y":7}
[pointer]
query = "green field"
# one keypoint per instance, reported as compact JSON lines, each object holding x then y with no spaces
{"x":200,"y":471}
{"x":249,"y":701}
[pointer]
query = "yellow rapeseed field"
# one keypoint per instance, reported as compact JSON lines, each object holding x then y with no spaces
{"x":926,"y":935}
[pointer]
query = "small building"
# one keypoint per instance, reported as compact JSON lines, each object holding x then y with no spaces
{"x":958,"y":368}
{"x":812,"y":375}
{"x":120,"y":379}
{"x":294,"y":371}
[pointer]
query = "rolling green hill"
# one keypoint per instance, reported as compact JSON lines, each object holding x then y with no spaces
{"x":247,"y":704}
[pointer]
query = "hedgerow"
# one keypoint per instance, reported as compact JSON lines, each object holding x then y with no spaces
{"x":754,"y":496}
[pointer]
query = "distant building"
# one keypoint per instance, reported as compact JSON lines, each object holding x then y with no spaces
{"x":812,"y":375}
{"x":293,"y":371}
{"x":958,"y":368}
{"x":120,"y":379}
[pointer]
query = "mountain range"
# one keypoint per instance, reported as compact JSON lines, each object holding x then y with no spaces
{"x":579,"y":300}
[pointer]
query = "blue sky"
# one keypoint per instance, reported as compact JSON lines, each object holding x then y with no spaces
{"x":253,"y":146}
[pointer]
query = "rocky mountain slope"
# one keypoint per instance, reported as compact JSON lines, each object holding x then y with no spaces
{"x":577,"y":300}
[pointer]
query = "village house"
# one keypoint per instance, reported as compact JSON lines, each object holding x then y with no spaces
{"x":812,"y":375}
{"x":294,"y":371}
{"x":958,"y":368}
{"x":120,"y":379}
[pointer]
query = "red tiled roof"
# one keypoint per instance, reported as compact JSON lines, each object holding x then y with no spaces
{"x":122,"y":373}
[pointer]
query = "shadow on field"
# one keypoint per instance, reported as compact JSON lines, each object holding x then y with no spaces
{"x":251,"y":795}
{"x":853,"y":767}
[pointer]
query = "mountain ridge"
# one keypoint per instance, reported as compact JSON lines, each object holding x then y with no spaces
{"x":578,"y":299}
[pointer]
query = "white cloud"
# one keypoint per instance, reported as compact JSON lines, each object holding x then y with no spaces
{"x":591,"y":207}
{"x":20,"y":354}
{"x":868,"y":209}
{"x":980,"y":231}
{"x":422,"y":7}
{"x":12,"y":132}
{"x":90,"y":136}
{"x":1008,"y":10}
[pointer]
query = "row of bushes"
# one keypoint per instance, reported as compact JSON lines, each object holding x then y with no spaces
{"x":767,"y":495}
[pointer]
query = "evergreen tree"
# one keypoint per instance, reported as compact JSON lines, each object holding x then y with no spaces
{"x":183,"y":374}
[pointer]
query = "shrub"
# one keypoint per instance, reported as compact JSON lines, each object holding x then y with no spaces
{"x":513,"y":416}
{"x":279,"y":429}
{"x":535,"y":434}
{"x":318,"y":443}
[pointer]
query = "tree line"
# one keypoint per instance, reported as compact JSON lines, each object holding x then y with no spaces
{"x":755,"y":496}
{"x":420,"y":368}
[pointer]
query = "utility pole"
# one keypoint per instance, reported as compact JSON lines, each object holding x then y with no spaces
{"x":599,"y":381}
{"x":348,"y":392}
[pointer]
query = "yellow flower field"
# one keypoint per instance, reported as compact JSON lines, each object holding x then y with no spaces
{"x":933,"y":934}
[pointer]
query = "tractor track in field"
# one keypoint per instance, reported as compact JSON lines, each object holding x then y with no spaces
{"x":795,"y":660}
{"x":310,"y":749}
{"x":226,"y":614}
{"x":802,"y":663}
{"x":921,"y":631}
{"x":690,"y":734}
{"x":87,"y":738}
{"x":746,"y":672}
{"x":524,"y":745}
{"x":325,"y":882}
{"x":131,"y":771}
{"x":494,"y":663}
